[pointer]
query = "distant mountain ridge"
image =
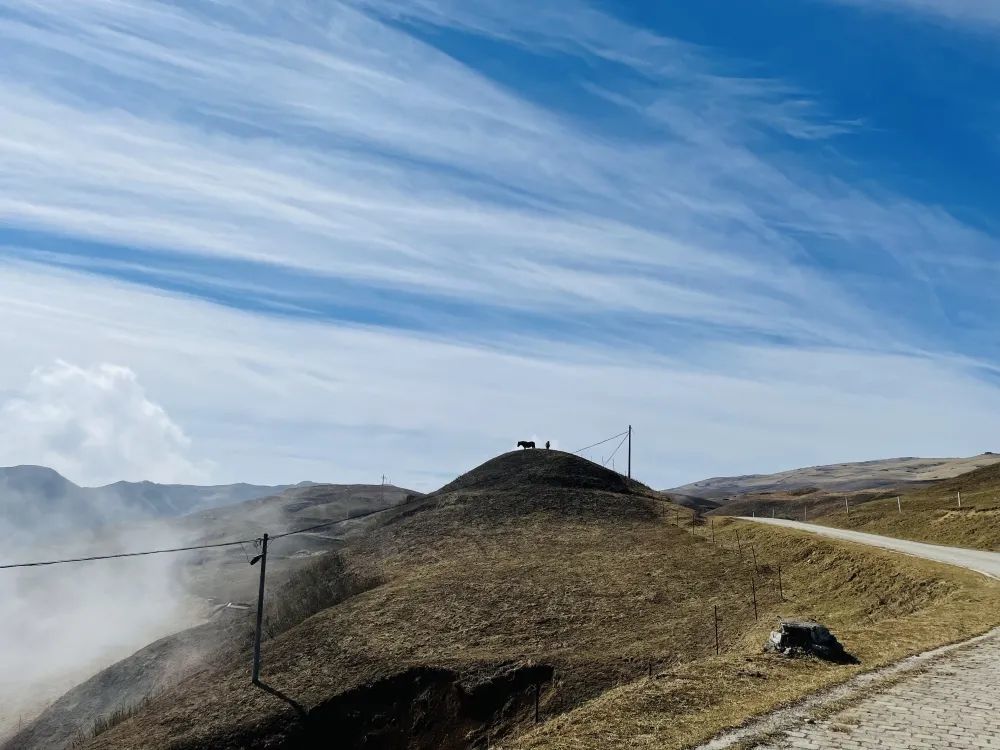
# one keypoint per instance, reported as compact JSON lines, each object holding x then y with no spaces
{"x":38,"y":496}
{"x":845,"y":477}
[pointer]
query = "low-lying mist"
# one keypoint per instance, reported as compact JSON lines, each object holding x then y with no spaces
{"x":60,"y":624}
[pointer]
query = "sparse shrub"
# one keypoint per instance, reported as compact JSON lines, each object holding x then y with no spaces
{"x":107,"y":721}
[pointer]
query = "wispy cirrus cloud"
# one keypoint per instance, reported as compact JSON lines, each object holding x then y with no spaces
{"x":979,"y":15}
{"x":489,"y":185}
{"x":342,"y":165}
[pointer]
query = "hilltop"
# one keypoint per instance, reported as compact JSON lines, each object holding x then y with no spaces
{"x":845,"y":477}
{"x":535,"y":563}
{"x":536,"y":574}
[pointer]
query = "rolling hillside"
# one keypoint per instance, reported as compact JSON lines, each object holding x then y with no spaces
{"x":931,"y":513}
{"x":540,"y":574}
{"x":218,"y":577}
{"x":849,"y":477}
{"x":39,"y":498}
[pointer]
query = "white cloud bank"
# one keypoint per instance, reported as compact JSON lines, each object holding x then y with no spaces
{"x":94,"y":425}
{"x":273,"y":400}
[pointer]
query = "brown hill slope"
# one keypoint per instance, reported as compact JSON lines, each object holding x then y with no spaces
{"x":515,"y":579}
{"x":213,"y":577}
{"x":846,"y":477}
{"x":536,"y":564}
{"x":931,"y":513}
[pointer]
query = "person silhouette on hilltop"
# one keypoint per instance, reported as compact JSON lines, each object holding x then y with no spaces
{"x":547,"y":445}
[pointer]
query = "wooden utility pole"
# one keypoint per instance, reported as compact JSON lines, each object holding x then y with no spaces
{"x":262,"y":557}
{"x":630,"y":451}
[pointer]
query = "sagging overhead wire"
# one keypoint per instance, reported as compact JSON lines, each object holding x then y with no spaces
{"x":238,"y":542}
{"x":602,"y":442}
{"x":124,"y":554}
{"x":608,"y":459}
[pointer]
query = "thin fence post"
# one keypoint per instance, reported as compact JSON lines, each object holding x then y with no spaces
{"x":899,"y":505}
{"x":260,"y":611}
{"x":848,"y":506}
{"x":716,"y":620}
{"x":753,"y":587}
{"x":713,"y":531}
{"x":960,"y":498}
{"x":739,"y":546}
{"x":781,"y":591}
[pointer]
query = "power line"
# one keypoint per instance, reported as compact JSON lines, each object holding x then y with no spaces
{"x":606,"y":440}
{"x":618,"y":448}
{"x":334,"y":523}
{"x":239,"y":542}
{"x":123,"y":554}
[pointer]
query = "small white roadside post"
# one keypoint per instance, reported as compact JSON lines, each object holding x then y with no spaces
{"x":848,"y":506}
{"x":899,"y":505}
{"x":960,"y":498}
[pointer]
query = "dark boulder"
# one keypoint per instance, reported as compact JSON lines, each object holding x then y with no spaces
{"x":807,"y":638}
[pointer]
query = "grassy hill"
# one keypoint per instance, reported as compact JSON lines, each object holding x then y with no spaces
{"x":839,"y":478}
{"x":540,"y":571}
{"x":931,"y":513}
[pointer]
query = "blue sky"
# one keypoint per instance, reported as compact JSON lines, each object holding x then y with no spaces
{"x":765,"y":233}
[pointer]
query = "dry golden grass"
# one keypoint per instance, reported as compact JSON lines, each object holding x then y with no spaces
{"x":594,"y":581}
{"x":931,"y":514}
{"x":881,"y":606}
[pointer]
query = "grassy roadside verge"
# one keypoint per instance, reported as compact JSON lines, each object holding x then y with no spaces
{"x":882,"y":606}
{"x":933,"y":514}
